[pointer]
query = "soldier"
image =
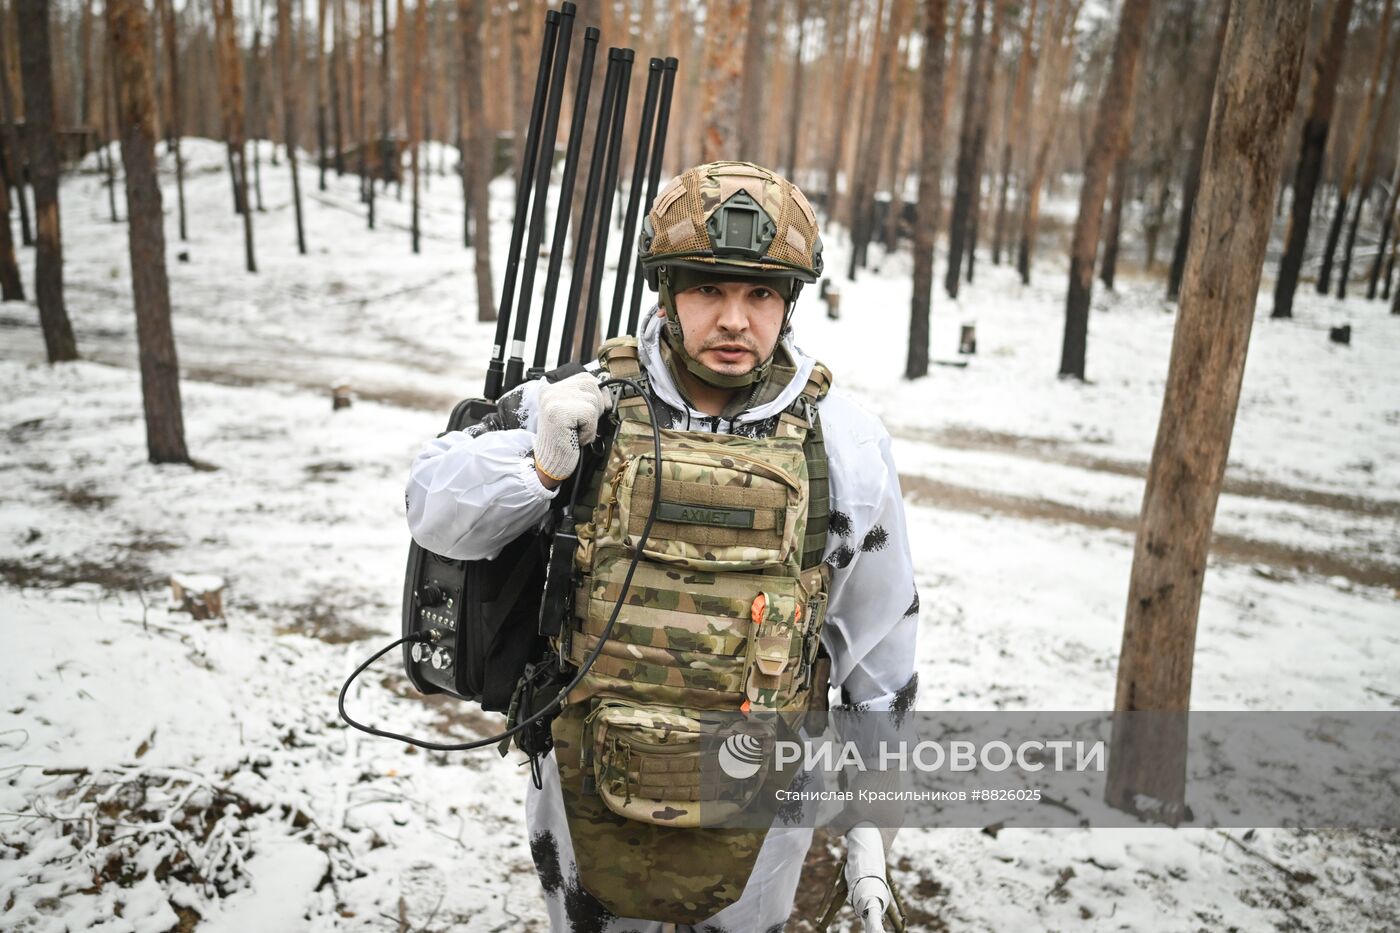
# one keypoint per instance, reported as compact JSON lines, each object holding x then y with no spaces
{"x":787,"y":575}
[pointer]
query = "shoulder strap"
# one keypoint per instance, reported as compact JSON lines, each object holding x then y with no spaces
{"x":818,"y":473}
{"x":621,"y":357}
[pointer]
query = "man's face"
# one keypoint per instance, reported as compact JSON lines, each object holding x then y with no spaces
{"x":732,"y":326}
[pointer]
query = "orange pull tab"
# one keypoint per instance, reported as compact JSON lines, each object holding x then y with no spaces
{"x":760,"y":603}
{"x":797,"y":612}
{"x":745,"y":706}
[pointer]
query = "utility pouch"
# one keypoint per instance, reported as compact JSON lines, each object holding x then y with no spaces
{"x":647,"y":764}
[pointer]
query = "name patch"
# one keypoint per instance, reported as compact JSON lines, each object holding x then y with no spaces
{"x":704,"y":515}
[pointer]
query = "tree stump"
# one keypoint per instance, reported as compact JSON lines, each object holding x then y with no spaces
{"x":201,"y":595}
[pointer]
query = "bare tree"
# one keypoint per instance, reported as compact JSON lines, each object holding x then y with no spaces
{"x":1387,"y":227}
{"x":481,"y":142}
{"x":1242,"y":163}
{"x":1108,"y":272}
{"x":1112,"y":128}
{"x":127,"y":28}
{"x":837,"y":42}
{"x":37,"y":74}
{"x":321,"y":80}
{"x":286,"y":54}
{"x":967,"y":184}
{"x":1326,"y":69}
{"x":793,"y":136}
{"x":1324,"y":275}
{"x":9,"y":138}
{"x":930,"y":204}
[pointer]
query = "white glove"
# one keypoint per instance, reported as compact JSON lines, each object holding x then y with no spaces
{"x":569,"y":413}
{"x":865,"y":874}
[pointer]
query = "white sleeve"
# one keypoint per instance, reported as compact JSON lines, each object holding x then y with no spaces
{"x":873,"y":617}
{"x":469,"y":496}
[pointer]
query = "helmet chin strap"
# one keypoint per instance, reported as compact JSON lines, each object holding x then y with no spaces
{"x":675,"y":338}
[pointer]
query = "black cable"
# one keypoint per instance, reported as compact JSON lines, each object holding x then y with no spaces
{"x":587,"y":663}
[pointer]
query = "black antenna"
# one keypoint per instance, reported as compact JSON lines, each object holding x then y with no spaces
{"x":495,"y":370}
{"x":634,"y":195}
{"x":590,"y":206}
{"x":539,"y":206}
{"x":566,"y":198}
{"x":658,"y":151}
{"x":600,"y":248}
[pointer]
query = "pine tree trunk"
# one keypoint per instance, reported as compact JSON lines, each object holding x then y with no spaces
{"x":868,"y":168}
{"x":337,"y":81}
{"x":232,"y":97}
{"x":722,"y":80}
{"x":36,"y":69}
{"x":754,"y":81}
{"x":415,"y":110}
{"x":1387,"y":227}
{"x":1326,"y":69}
{"x":286,"y":54}
{"x":1368,"y":171}
{"x":1015,"y":116}
{"x":1334,"y":231}
{"x":160,"y":369}
{"x":964,"y":194}
{"x":321,"y":73}
{"x":1112,"y":128}
{"x":793,"y":136}
{"x":929,"y":206}
{"x":109,"y":127}
{"x":14,"y":157}
{"x":988,"y":80}
{"x":11,"y":286}
{"x":176,"y":124}
{"x":1192,"y":180}
{"x":470,"y":13}
{"x":1109,"y":270}
{"x":1242,"y":163}
{"x":1059,"y":46}
{"x":837,"y":42}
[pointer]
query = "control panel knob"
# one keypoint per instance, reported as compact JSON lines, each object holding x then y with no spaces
{"x":430,"y":594}
{"x":442,"y":659}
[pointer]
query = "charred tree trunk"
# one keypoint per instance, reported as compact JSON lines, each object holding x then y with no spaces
{"x":1109,"y":271}
{"x":930,"y":204}
{"x":1192,"y":180}
{"x":483,"y":146}
{"x":286,"y":54}
{"x":1242,"y":163}
{"x":1112,"y":128}
{"x":36,"y":73}
{"x":160,"y":368}
{"x":1326,"y":69}
{"x":1334,"y":231}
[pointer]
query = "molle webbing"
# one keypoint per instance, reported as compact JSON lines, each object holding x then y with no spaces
{"x":620,"y":358}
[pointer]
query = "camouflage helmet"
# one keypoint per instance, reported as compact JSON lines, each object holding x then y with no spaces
{"x":734,"y":217}
{"x":731,"y":220}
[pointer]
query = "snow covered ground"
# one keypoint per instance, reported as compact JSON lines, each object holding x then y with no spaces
{"x":165,"y":773}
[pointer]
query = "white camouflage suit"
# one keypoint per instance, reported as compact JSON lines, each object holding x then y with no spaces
{"x":471,"y":492}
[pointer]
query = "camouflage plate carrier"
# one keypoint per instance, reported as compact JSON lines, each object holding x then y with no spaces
{"x":724,"y":615}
